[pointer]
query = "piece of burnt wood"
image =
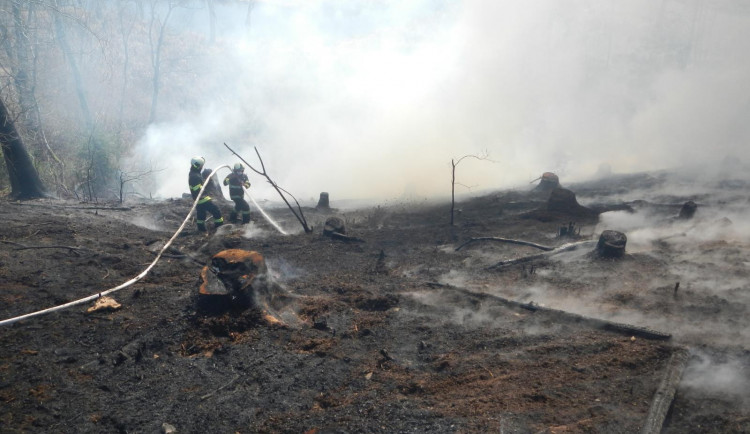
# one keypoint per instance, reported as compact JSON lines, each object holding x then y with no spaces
{"x":564,"y":248}
{"x":664,"y":395}
{"x":506,"y":240}
{"x":688,"y":210}
{"x":611,"y":244}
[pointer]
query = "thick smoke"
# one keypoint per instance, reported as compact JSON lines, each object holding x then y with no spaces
{"x":373,"y":99}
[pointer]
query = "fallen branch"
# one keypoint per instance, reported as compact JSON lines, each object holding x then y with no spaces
{"x":301,"y":216}
{"x":665,"y":393}
{"x":564,"y":248}
{"x":506,"y":240}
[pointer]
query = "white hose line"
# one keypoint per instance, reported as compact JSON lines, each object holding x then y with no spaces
{"x":129,"y":282}
{"x":268,"y":218}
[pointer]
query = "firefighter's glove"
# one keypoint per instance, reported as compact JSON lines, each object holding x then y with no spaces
{"x":246,"y":184}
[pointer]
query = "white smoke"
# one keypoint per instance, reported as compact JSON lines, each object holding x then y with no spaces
{"x":369,"y":99}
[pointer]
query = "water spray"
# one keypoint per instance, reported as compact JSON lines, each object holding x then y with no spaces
{"x":267,"y":217}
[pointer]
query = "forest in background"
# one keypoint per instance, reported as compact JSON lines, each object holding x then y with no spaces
{"x":83,"y":80}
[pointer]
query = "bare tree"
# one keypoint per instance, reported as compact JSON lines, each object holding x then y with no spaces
{"x":297,"y":213}
{"x":454,"y":163}
{"x":133,"y":175}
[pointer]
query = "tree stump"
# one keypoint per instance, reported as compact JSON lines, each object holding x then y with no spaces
{"x":323,"y":201}
{"x":688,"y":210}
{"x":334,"y":225}
{"x":548,"y":182}
{"x":611,"y":244}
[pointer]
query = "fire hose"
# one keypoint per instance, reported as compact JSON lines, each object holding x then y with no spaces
{"x":131,"y":281}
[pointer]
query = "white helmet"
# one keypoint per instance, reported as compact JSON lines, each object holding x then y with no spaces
{"x":197,"y":162}
{"x":238,"y":167}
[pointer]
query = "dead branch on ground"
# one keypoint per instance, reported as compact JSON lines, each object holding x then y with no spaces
{"x":300,"y":216}
{"x":564,"y":248}
{"x":506,"y":240}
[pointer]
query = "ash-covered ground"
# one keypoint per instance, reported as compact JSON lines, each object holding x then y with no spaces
{"x":399,"y":333}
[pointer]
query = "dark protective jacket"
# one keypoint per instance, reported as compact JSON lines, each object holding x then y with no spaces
{"x":236,"y":183}
{"x":195,"y":180}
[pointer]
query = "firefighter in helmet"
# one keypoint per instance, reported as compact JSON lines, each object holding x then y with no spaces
{"x":205,"y":205}
{"x":237,"y":182}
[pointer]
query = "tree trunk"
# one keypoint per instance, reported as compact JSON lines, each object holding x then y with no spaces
{"x":77,"y":79}
{"x":24,"y":179}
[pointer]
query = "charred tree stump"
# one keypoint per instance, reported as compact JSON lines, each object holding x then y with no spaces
{"x":334,"y":224}
{"x":323,"y":201}
{"x":611,"y":244}
{"x":688,"y":210}
{"x":548,"y":182}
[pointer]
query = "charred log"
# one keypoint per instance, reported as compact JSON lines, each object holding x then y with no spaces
{"x":665,"y":394}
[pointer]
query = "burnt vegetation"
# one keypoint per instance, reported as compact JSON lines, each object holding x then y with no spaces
{"x":402,"y":332}
{"x":616,"y":305}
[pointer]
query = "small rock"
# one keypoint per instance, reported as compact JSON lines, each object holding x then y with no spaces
{"x":168,"y":429}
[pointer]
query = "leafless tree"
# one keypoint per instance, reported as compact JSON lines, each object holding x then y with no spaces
{"x":133,"y":175}
{"x":454,"y":163}
{"x":298,"y":212}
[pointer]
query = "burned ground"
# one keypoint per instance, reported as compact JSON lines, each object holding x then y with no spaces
{"x":418,"y":338}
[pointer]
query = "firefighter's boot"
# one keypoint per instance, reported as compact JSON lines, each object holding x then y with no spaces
{"x":233,"y":217}
{"x":245,"y":217}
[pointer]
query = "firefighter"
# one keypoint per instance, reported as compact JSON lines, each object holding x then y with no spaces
{"x":237,"y":182}
{"x":204,"y":203}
